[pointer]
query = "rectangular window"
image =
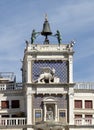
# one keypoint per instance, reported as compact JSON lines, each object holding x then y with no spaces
{"x":78,"y":119}
{"x":62,"y":115}
{"x":88,"y":116}
{"x":14,"y":115}
{"x":15,"y":104}
{"x":78,"y":116}
{"x":5,"y":116}
{"x":88,"y":119}
{"x":38,"y":115}
{"x":4,"y":104}
{"x":78,"y":103}
{"x":88,"y":103}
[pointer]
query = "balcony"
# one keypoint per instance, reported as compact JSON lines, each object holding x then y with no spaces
{"x":84,"y":121}
{"x":22,"y":122}
{"x":12,"y":122}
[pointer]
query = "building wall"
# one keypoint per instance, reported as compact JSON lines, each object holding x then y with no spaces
{"x":62,"y":100}
{"x":58,"y":102}
{"x":12,"y":97}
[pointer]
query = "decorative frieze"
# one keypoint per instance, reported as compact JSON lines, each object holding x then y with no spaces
{"x":50,"y":90}
{"x":47,"y":48}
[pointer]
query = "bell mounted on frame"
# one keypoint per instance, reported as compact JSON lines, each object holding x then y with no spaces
{"x":46,"y":30}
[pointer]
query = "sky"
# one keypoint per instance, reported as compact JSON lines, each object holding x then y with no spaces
{"x":73,"y":18}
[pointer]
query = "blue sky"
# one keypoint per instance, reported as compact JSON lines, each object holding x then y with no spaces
{"x":73,"y":18}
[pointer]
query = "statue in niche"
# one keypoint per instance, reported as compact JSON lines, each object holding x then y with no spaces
{"x":50,"y":114}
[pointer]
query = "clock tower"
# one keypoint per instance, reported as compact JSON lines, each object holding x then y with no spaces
{"x":47,"y":74}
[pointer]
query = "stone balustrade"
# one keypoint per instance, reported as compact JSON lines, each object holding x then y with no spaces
{"x":84,"y":121}
{"x":23,"y":121}
{"x":49,"y":47}
{"x":12,"y":121}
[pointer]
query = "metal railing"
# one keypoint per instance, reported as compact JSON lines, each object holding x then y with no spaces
{"x":84,"y":85}
{"x":7,"y":76}
{"x":10,"y":86}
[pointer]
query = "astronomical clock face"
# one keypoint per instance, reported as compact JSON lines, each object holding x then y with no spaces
{"x":60,"y":67}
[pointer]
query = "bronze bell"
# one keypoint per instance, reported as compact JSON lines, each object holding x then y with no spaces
{"x":46,"y":28}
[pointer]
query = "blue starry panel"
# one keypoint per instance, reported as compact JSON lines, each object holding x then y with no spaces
{"x":61,"y":69}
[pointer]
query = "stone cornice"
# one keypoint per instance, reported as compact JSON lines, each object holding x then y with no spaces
{"x":49,"y":88}
{"x":48,"y":49}
{"x":51,"y":84}
{"x":18,"y":92}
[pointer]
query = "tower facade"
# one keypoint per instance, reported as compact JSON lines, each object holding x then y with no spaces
{"x":48,"y":80}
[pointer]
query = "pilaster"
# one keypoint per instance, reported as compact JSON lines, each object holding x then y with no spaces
{"x":71,"y":106}
{"x":56,"y":116}
{"x":70,"y":69}
{"x":29,"y":106}
{"x":29,"y":71}
{"x":44,"y":112}
{"x":83,"y":104}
